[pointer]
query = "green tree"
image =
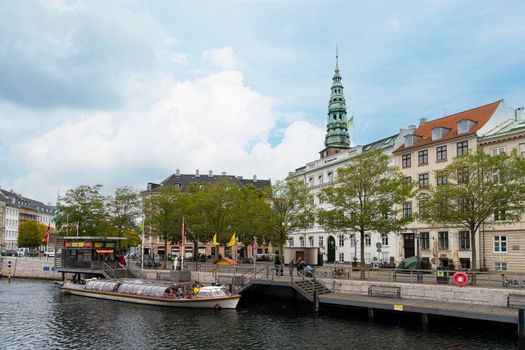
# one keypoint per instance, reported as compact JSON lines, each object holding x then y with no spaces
{"x":252,"y":214}
{"x":479,"y":185}
{"x":30,"y":234}
{"x":292,"y":210}
{"x":123,"y":209}
{"x":364,"y":198}
{"x":164,"y":213}
{"x":82,"y":206}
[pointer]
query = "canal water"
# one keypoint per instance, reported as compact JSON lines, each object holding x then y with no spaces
{"x":36,"y":315}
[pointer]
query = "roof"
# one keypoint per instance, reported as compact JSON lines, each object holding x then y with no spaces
{"x":184,"y":180}
{"x":479,"y":115}
{"x":380,"y":144}
{"x":507,"y":128}
{"x":16,"y":200}
{"x":92,"y":238}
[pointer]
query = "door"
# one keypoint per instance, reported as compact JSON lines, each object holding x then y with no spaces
{"x":408,"y":245}
{"x":331,"y":249}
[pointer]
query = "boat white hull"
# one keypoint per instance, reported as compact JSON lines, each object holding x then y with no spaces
{"x":229,"y":302}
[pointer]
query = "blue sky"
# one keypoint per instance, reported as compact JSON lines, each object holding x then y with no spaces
{"x":126,"y":92}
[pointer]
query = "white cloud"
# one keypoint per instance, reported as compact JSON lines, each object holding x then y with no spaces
{"x":223,"y":58}
{"x":394,"y":23}
{"x":214,"y":122}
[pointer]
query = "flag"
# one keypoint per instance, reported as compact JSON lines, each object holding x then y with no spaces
{"x":46,"y":235}
{"x":232,"y":241}
{"x":215,"y":240}
{"x":350,"y":122}
{"x":183,"y":238}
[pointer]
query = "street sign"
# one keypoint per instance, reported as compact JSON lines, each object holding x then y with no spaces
{"x":254,"y":245}
{"x":379,"y":250}
{"x":378,"y":245}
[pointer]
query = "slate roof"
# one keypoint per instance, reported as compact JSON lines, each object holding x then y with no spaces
{"x":18,"y":201}
{"x":380,"y":144}
{"x":184,"y":180}
{"x":479,"y":115}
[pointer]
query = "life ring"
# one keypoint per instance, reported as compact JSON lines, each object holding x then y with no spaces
{"x":460,"y":279}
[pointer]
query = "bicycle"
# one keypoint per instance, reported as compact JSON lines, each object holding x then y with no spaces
{"x":513,"y":283}
{"x":338,"y":272}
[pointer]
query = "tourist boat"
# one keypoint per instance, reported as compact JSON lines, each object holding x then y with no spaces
{"x":176,"y":295}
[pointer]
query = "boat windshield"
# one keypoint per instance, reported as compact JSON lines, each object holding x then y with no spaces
{"x":211,"y":292}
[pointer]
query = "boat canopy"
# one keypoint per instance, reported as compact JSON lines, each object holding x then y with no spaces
{"x":105,"y":286}
{"x":211,"y":291}
{"x":143,"y":289}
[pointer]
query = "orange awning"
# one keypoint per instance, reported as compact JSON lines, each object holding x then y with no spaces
{"x":104,"y":251}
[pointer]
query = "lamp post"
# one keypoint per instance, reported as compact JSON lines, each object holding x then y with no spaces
{"x":417,"y":237}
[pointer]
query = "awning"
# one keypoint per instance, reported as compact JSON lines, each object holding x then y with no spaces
{"x":104,"y":251}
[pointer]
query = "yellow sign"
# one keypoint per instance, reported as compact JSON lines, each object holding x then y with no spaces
{"x":81,"y":244}
{"x":98,"y":245}
{"x":398,"y":307}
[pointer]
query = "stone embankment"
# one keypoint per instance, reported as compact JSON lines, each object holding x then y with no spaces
{"x":42,"y":268}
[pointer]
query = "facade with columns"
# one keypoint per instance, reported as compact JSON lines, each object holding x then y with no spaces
{"x":338,"y":152}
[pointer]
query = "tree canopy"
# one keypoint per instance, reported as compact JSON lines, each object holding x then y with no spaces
{"x":365,"y":197}
{"x":30,"y":234}
{"x":479,"y":187}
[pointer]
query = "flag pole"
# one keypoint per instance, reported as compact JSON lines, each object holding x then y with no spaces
{"x":142,"y":245}
{"x":183,"y":247}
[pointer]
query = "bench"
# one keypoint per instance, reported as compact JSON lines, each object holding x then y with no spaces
{"x":516,"y":301}
{"x":384,"y":291}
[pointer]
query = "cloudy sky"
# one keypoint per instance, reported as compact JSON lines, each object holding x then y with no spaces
{"x":126,"y":92}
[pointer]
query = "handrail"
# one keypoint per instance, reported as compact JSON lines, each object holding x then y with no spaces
{"x":106,"y":267}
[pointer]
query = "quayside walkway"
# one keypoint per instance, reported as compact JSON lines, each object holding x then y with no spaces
{"x":424,"y":307}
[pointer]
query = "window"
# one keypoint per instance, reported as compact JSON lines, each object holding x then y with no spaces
{"x":497,"y":151}
{"x":368,"y":240}
{"x":521,"y":149}
{"x":384,"y":240}
{"x":352,"y":240}
{"x":464,"y":240}
{"x":341,"y":240}
{"x":321,"y":241}
{"x":384,"y":257}
{"x":290,"y":242}
{"x":424,"y":241}
{"x":341,"y":257}
{"x":330,"y":177}
{"x":311,"y":241}
{"x":439,"y":132}
{"x":462,"y":148}
{"x":499,"y":213}
{"x":320,"y":177}
{"x":441,"y":153}
{"x":423,"y":180}
{"x":410,"y":140}
{"x":311,"y":181}
{"x":463,"y":176}
{"x":423,"y":208}
{"x":368,"y":258}
{"x":500,"y":244}
{"x":301,"y":241}
{"x":441,"y":178}
{"x":443,"y":240}
{"x":422,"y":157}
{"x":500,"y":266}
{"x":406,"y":160}
{"x":407,"y":209}
{"x":464,"y":126}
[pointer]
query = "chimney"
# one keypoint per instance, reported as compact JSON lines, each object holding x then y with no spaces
{"x":412,"y":126}
{"x":223,"y":173}
{"x":254,"y":178}
{"x":197,"y":173}
{"x":210,"y":173}
{"x":422,"y":121}
{"x":520,"y":113}
{"x":177,"y":172}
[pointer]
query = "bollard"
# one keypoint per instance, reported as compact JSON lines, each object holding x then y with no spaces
{"x":521,"y":323}
{"x":315,"y":301}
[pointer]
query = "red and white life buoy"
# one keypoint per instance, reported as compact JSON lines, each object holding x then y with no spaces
{"x":460,"y":279}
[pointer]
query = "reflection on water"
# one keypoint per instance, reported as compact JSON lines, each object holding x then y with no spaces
{"x":35,"y":314}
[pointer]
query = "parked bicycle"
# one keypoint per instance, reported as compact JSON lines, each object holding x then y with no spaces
{"x":513,"y":283}
{"x":338,"y":272}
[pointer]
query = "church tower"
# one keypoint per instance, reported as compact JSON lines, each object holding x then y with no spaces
{"x":336,"y":138}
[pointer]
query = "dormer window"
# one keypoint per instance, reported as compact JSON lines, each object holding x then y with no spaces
{"x":410,"y":140}
{"x":464,"y":126}
{"x":439,"y":132}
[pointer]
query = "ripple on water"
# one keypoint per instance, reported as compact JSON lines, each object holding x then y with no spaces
{"x":35,"y":314}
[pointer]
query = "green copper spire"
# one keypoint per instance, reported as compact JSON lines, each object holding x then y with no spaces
{"x":336,"y":128}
